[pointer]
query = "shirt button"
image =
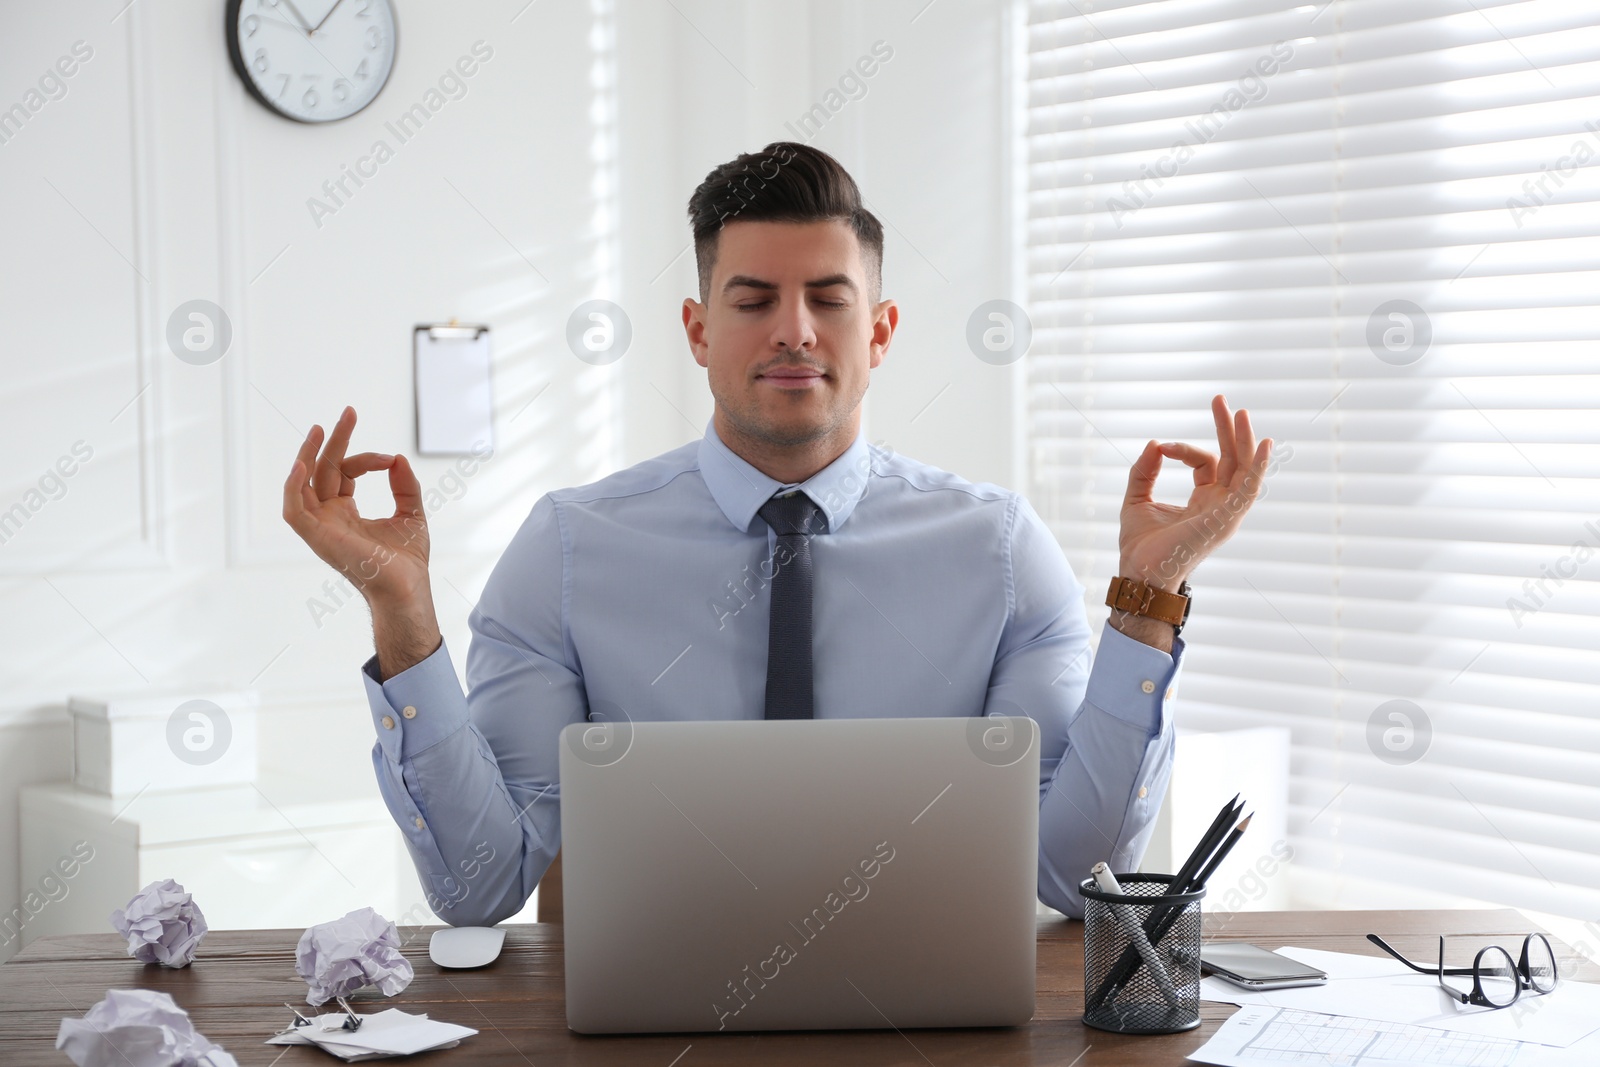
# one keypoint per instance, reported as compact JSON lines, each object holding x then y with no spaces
{"x":1148,"y":686}
{"x":411,"y":713}
{"x":419,"y":822}
{"x":1143,"y":792}
{"x":388,"y":722}
{"x":1169,"y":693}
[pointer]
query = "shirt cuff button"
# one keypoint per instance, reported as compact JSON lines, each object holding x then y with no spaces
{"x":420,"y":823}
{"x":1148,"y":686}
{"x":409,"y":712}
{"x":1143,"y":792}
{"x":388,"y":722}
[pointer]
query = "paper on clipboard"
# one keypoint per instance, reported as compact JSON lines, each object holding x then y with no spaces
{"x":455,"y":399}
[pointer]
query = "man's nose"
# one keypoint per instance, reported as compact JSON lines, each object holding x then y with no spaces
{"x":794,"y":329}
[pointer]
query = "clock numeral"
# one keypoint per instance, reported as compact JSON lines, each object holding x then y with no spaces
{"x":311,"y":99}
{"x":252,"y":23}
{"x":364,"y":13}
{"x":361,"y":69}
{"x":341,"y":91}
{"x":284,"y":87}
{"x":374,"y":38}
{"x":261,"y":61}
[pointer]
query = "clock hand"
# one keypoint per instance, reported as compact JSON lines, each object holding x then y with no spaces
{"x":281,"y":22}
{"x":310,"y":42}
{"x":297,"y":16}
{"x":329,"y":15}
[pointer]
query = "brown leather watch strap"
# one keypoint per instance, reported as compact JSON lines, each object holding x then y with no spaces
{"x":1140,"y":598}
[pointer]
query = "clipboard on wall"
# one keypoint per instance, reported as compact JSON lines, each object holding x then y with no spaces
{"x":454,"y":389}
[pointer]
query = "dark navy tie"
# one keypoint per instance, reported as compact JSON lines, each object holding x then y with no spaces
{"x":794,"y":518}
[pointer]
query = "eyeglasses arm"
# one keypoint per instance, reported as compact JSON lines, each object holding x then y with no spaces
{"x":1381,"y":943}
{"x":1452,"y":971}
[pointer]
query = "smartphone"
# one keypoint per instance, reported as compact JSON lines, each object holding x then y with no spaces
{"x":1254,"y":967}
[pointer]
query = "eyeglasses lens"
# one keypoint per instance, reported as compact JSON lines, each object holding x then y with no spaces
{"x":1497,"y":976}
{"x":1541,"y":965}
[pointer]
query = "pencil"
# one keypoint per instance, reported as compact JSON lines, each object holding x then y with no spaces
{"x":1227,"y":846}
{"x":1208,"y":843}
{"x":1169,"y":920}
{"x":1159,"y":922}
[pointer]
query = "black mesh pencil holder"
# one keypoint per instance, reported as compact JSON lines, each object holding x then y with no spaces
{"x":1123,"y":993}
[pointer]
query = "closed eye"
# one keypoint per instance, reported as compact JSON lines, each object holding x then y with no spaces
{"x":759,"y":304}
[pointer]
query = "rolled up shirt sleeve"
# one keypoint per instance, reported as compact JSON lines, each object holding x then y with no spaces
{"x":1106,"y":731}
{"x":470,"y":777}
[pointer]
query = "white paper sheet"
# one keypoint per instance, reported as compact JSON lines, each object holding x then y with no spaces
{"x":1262,"y":1036}
{"x":386,"y":1033}
{"x":455,"y":396}
{"x":1371,"y":987}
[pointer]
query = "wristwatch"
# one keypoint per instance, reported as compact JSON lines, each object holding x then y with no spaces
{"x":1141,"y":598}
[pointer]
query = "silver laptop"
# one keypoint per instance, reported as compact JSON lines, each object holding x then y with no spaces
{"x":799,"y":874}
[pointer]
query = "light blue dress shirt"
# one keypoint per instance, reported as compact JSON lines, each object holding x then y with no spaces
{"x":642,"y":594}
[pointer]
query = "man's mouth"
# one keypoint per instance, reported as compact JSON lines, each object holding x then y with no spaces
{"x":793,"y":377}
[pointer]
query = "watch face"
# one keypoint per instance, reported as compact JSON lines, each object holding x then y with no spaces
{"x":312,"y":60}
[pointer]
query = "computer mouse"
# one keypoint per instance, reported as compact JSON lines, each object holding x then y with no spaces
{"x":462,"y":947}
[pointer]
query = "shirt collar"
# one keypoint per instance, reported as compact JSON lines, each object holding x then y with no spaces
{"x":740,"y":490}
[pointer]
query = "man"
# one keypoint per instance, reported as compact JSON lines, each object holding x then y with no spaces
{"x":701,"y":585}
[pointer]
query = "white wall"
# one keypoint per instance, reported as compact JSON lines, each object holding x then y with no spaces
{"x":561,"y":175}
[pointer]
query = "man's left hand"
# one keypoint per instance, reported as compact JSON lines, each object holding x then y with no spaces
{"x":1162,"y":544}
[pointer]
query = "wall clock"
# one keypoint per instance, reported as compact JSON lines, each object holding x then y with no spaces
{"x":312,"y":60}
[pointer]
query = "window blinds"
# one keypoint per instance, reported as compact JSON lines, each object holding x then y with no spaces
{"x":1373,"y":223}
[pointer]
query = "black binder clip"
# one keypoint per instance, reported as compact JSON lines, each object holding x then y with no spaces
{"x":299,"y":1020}
{"x":352,"y":1021}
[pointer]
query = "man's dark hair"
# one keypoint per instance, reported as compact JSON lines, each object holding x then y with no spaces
{"x":784,"y":182}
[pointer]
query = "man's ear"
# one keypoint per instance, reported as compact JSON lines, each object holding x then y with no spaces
{"x":694,"y":328}
{"x":883,"y":327}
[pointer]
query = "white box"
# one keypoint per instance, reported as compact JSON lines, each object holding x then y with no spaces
{"x":124,"y":744}
{"x":275,"y":855}
{"x":1208,"y":768}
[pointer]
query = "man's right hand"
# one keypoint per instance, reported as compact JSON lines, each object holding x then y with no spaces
{"x":386,"y":559}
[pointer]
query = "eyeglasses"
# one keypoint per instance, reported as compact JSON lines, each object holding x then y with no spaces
{"x":1497,"y":981}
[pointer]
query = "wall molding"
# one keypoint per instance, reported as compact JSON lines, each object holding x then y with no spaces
{"x":148,"y":327}
{"x":152,"y":548}
{"x":233,"y":291}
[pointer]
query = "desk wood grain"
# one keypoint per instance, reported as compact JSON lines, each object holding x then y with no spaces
{"x":236,"y":989}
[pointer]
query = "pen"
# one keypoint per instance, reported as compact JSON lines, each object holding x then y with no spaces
{"x":1130,"y":926}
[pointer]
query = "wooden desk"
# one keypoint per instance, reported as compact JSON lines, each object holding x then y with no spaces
{"x":235,"y":992}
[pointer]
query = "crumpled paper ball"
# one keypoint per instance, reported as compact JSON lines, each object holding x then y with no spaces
{"x":162,"y":923}
{"x":339,"y":957}
{"x":138,"y":1028}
